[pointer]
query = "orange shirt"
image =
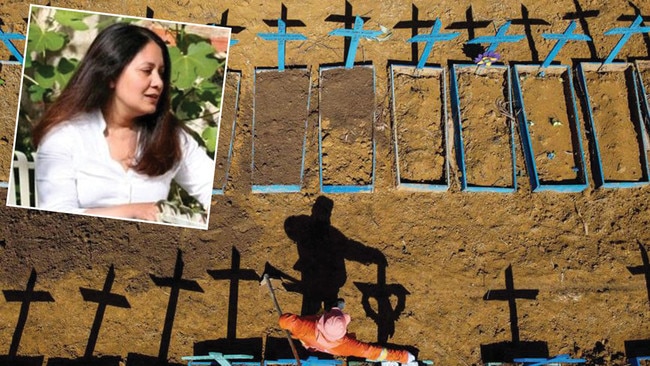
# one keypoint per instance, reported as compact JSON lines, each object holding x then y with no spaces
{"x":304,"y":329}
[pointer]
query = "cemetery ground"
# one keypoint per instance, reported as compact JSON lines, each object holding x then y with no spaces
{"x":170,"y":292}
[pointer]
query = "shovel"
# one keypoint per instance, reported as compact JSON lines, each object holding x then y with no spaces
{"x":265,"y":279}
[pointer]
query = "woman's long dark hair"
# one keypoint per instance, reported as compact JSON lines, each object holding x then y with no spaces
{"x":88,"y":90}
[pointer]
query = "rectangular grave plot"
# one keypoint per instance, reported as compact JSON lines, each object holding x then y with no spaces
{"x":482,"y":111}
{"x":549,"y":128}
{"x":346,"y":117}
{"x":615,"y":131}
{"x":226,"y":138}
{"x":420,"y":127}
{"x":280,"y":110}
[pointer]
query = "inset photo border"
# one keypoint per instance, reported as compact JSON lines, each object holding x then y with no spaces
{"x":118,"y":116}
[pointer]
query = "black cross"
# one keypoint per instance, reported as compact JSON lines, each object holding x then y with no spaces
{"x":471,"y":50}
{"x":581,"y":16}
{"x":348,"y":20}
{"x":234,"y":274}
{"x":385,"y":316}
{"x":177,"y":283}
{"x":103,"y":298}
{"x":511,"y":295}
{"x":470,"y":24}
{"x":527,"y":22}
{"x":26,"y":298}
{"x":630,"y":18}
{"x":643,"y":269}
{"x":288,"y":22}
{"x":235,"y":29}
{"x":415,"y":25}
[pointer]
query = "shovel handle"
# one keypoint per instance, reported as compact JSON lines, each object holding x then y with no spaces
{"x":266,"y":279}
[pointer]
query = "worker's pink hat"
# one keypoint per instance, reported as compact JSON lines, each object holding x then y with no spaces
{"x":333,"y":325}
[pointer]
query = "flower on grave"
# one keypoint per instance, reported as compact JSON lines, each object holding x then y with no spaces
{"x":487,"y":58}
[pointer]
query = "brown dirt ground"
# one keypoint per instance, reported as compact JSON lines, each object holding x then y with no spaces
{"x":447,"y":250}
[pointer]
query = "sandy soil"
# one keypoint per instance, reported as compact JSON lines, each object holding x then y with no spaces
{"x":445,"y":253}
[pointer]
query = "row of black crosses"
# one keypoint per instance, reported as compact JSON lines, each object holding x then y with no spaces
{"x":415,"y":24}
{"x":503,"y":351}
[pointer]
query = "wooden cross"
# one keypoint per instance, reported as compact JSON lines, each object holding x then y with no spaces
{"x":103,"y":298}
{"x":355,"y":34}
{"x":348,"y":21}
{"x":511,"y":295}
{"x":414,"y":24}
{"x":6,"y":39}
{"x":527,"y":22}
{"x":25,"y":298}
{"x":234,"y":274}
{"x":581,"y":16}
{"x":628,"y":32}
{"x":282,"y":37}
{"x":431,"y":39}
{"x":497,"y":39}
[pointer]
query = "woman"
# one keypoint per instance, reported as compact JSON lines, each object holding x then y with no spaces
{"x":109,"y":145}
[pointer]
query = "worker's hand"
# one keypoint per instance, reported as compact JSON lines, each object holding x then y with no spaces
{"x":411,"y":358}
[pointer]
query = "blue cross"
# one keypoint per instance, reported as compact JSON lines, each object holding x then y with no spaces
{"x":547,"y":361}
{"x":627,"y":33}
{"x":497,"y":39}
{"x":6,"y":39}
{"x":355,"y":34}
{"x":282,"y":37}
{"x":562,"y":39}
{"x":233,"y":42}
{"x":431,"y":39}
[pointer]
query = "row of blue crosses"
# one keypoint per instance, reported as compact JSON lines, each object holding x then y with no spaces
{"x":435,"y":35}
{"x":430,"y":39}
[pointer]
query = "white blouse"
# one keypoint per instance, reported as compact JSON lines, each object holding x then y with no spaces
{"x":74,"y":170}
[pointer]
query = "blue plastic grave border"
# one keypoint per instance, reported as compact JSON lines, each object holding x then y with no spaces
{"x":643,"y":92}
{"x":460,"y":149}
{"x":221,"y":190}
{"x":333,"y":188}
{"x":564,"y":71}
{"x":553,"y":361}
{"x":599,"y":177}
{"x":280,"y":188}
{"x":217,"y":358}
{"x":636,"y":361}
{"x":425,"y":71}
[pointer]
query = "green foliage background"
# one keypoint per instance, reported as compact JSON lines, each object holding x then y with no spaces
{"x":54,"y":52}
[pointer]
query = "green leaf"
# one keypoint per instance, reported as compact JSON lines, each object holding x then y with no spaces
{"x":44,"y":75}
{"x":189,"y":109}
{"x":71,"y":19}
{"x":28,"y":60}
{"x":197,"y":63}
{"x":40,"y":41}
{"x":36,"y":93}
{"x":64,"y":71}
{"x":209,"y":91}
{"x":209,"y":135}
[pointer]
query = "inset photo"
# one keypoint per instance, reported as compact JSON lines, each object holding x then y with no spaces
{"x":118,"y":116}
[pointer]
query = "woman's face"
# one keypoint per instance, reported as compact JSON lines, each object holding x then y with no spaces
{"x":138,"y":88}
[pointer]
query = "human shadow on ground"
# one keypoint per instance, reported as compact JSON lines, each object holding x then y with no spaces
{"x":103,"y":298}
{"x":506,"y":351}
{"x":322,"y":252}
{"x":175,"y":284}
{"x":25,"y":298}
